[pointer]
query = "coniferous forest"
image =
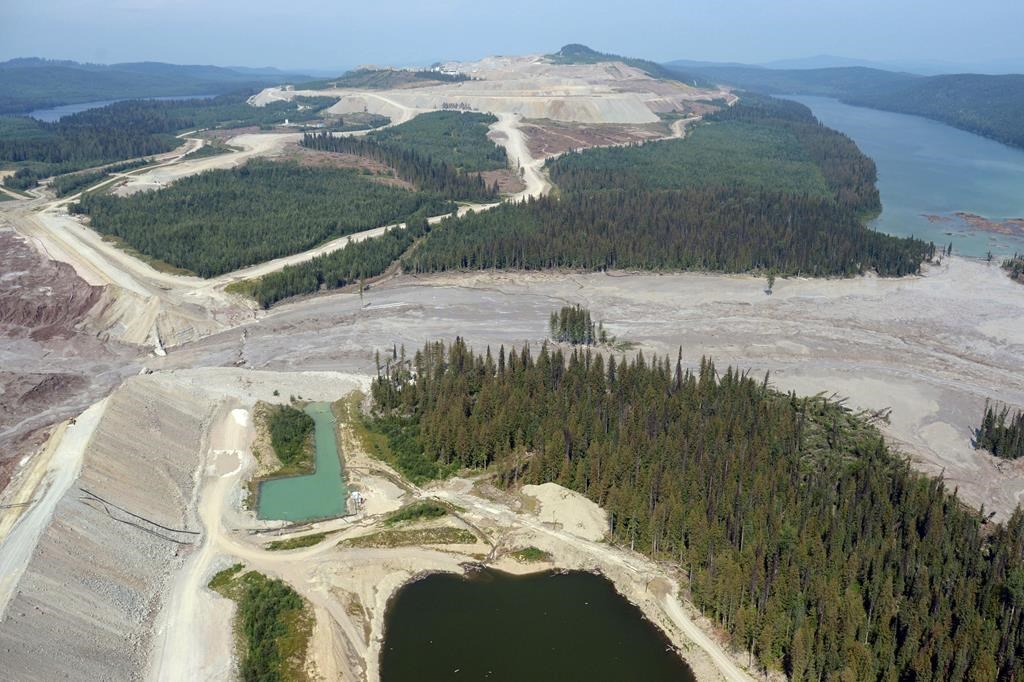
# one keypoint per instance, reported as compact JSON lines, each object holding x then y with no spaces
{"x":222,"y":220}
{"x":764,"y":186}
{"x":722,"y":229}
{"x":1001,"y":432}
{"x":356,"y":261}
{"x":422,"y":171}
{"x":133,"y":128}
{"x":795,"y":527}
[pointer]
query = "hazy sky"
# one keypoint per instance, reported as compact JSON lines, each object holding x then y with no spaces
{"x":325,"y":35}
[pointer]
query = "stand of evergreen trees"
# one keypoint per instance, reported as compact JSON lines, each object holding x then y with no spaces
{"x":222,"y":220}
{"x":355,"y":262}
{"x":573,"y":324}
{"x":714,"y":229}
{"x":800,"y":533}
{"x":1015,"y":267}
{"x":1001,"y":432}
{"x":423,"y":172}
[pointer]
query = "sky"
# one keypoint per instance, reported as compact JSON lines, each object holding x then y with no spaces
{"x":326,"y":35}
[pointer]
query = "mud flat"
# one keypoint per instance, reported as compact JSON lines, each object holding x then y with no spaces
{"x":931,"y":348}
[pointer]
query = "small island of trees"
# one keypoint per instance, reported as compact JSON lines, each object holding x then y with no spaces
{"x":573,"y":324}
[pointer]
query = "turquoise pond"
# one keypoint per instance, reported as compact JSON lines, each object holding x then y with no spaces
{"x":315,"y":496}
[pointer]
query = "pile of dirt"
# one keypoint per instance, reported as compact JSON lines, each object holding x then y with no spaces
{"x":53,"y":366}
{"x":547,"y":138}
{"x":39,"y":297}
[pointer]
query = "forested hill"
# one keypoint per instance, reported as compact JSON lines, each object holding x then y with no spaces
{"x":986,"y":105}
{"x":124,"y":130}
{"x":992,"y":106}
{"x":764,"y":187}
{"x":29,"y":84}
{"x":796,"y":528}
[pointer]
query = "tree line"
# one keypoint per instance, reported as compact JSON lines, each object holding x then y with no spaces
{"x":711,"y":229}
{"x":798,"y":530}
{"x":222,"y":220}
{"x":355,"y":262}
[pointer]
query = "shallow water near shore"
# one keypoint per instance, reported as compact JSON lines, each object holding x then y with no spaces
{"x":318,"y":495}
{"x":926,"y":168}
{"x":545,"y":626}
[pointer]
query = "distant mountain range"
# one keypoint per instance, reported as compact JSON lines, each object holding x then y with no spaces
{"x":33,"y":83}
{"x":989,"y":105}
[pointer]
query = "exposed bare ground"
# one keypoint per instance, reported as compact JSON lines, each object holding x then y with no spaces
{"x":548,"y":138}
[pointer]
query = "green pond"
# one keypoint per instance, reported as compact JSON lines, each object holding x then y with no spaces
{"x":548,"y":626}
{"x":318,"y":495}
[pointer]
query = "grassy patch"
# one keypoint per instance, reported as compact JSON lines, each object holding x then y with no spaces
{"x":272,"y":627}
{"x":419,"y":536}
{"x":208,"y":149}
{"x":528,"y":555}
{"x":222,"y":580}
{"x":418,"y":511}
{"x":297,"y":543}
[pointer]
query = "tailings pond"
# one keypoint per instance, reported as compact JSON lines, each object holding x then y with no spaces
{"x":547,"y":626}
{"x":929,"y":171}
{"x":318,"y":495}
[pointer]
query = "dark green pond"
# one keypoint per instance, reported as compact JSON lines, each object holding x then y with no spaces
{"x":494,"y":626}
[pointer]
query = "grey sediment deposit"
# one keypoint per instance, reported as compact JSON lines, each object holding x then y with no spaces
{"x":85,"y":606}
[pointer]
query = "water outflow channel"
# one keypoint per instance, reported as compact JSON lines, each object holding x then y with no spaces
{"x":547,"y":626}
{"x":315,"y":496}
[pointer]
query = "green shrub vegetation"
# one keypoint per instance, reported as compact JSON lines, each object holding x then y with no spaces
{"x":222,"y":220}
{"x":415,"y":536}
{"x":1001,"y":432}
{"x":762,"y":187}
{"x":291,"y":434}
{"x":297,"y":543}
{"x":273,"y":625}
{"x":801,"y":533}
{"x":418,"y":511}
{"x":530,"y":555}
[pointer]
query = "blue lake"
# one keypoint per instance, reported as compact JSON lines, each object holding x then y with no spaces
{"x":927,"y":168}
